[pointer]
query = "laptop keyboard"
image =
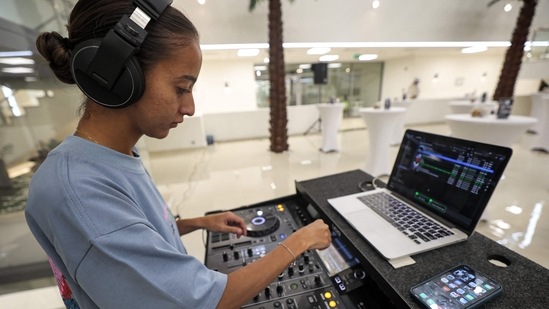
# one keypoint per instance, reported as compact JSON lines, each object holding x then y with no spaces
{"x":410,"y":222}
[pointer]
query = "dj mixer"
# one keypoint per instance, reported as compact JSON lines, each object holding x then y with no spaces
{"x":329,"y":278}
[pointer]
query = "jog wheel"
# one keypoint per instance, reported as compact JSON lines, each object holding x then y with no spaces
{"x":261,"y":224}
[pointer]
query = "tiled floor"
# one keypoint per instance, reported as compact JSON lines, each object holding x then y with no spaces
{"x":232,"y":174}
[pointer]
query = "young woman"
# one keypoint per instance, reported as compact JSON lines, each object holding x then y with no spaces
{"x":92,"y":206}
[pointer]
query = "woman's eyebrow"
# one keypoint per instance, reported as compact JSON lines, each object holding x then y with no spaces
{"x":187,"y":77}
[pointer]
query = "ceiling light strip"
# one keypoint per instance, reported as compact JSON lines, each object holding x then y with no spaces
{"x":457,"y":44}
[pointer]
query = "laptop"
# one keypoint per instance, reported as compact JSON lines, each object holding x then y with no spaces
{"x":437,"y":191}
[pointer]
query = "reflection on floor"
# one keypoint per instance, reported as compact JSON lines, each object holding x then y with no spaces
{"x":232,"y":174}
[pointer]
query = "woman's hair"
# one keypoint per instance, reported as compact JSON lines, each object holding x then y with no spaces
{"x":94,"y":18}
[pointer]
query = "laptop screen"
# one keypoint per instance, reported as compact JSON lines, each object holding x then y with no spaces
{"x":450,"y":177}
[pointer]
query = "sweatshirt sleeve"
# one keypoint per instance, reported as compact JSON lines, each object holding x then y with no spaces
{"x":135,"y":268}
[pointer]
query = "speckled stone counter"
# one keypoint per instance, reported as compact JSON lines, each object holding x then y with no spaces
{"x":525,"y":283}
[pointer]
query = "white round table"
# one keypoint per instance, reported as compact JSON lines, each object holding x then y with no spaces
{"x":331,"y":115}
{"x":540,"y":110}
{"x":399,"y":130}
{"x":381,"y":125}
{"x":465,"y":107}
{"x":489,"y":129}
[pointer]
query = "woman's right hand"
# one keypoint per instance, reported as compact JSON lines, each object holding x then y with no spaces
{"x":316,"y":235}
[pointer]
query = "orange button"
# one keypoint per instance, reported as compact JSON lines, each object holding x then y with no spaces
{"x":332,"y":304}
{"x":327,"y":295}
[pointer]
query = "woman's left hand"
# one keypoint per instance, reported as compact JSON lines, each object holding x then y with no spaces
{"x":225,"y":222}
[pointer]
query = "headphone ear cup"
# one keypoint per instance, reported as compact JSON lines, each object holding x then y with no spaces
{"x":127,"y":89}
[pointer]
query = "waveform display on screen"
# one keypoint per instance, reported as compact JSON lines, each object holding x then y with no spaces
{"x":464,"y":171}
{"x":448,"y":176}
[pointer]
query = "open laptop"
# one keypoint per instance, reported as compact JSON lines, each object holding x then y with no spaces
{"x":447,"y":180}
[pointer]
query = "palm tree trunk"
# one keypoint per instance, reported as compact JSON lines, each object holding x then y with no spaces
{"x":513,"y":57}
{"x":277,"y":92}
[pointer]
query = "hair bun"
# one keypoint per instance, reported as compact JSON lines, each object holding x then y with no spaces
{"x":56,"y":49}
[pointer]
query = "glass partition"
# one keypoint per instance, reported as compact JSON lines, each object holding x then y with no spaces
{"x":357,"y":84}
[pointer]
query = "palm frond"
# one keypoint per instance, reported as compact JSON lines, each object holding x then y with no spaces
{"x":253,"y":4}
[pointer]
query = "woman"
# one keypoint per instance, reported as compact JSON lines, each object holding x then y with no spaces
{"x":93,"y":207}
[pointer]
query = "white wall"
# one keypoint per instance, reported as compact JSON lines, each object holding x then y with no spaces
{"x":457,"y":75}
{"x":56,"y":117}
{"x":210,"y":94}
{"x":227,"y":126}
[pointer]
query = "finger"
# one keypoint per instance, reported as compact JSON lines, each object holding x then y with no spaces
{"x":237,"y":221}
{"x":237,"y":231}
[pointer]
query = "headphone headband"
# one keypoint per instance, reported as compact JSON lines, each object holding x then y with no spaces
{"x":106,"y":70}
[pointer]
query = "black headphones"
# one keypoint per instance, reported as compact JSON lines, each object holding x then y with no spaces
{"x":106,"y":69}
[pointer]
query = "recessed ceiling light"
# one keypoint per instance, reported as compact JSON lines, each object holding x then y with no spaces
{"x":18,"y":70}
{"x":334,"y":65}
{"x":305,"y":66}
{"x":16,"y":61}
{"x":17,"y":53}
{"x":328,"y":58}
{"x":318,"y":50}
{"x":250,"y":52}
{"x":367,"y":57}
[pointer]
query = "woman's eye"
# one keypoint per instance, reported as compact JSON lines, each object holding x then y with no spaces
{"x":182,"y":90}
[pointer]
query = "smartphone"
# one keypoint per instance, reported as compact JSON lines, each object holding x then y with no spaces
{"x":459,"y":287}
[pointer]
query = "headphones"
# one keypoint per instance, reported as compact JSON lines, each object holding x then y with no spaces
{"x":106,"y":70}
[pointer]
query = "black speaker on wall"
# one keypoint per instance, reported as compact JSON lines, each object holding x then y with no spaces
{"x":320,"y":71}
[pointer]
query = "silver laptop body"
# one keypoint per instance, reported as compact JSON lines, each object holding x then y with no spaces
{"x":436,"y":178}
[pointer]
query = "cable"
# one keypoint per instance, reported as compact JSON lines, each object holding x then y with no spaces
{"x":370,"y":184}
{"x":376,"y":178}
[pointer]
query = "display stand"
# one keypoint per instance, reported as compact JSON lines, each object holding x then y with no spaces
{"x":331,"y":115}
{"x":381,"y":125}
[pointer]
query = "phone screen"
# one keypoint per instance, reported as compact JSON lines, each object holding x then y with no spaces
{"x":459,"y":287}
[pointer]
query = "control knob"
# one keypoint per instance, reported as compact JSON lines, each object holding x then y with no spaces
{"x":290,"y":270}
{"x":359,"y":274}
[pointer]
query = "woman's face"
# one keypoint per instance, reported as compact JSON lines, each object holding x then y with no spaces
{"x":168,"y":93}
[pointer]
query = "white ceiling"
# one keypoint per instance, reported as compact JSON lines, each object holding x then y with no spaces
{"x":355,"y":21}
{"x":310,"y":22}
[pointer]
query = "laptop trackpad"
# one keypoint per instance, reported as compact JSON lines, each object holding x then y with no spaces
{"x":371,"y":225}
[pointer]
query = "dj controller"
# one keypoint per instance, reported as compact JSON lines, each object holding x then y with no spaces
{"x":329,"y":278}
